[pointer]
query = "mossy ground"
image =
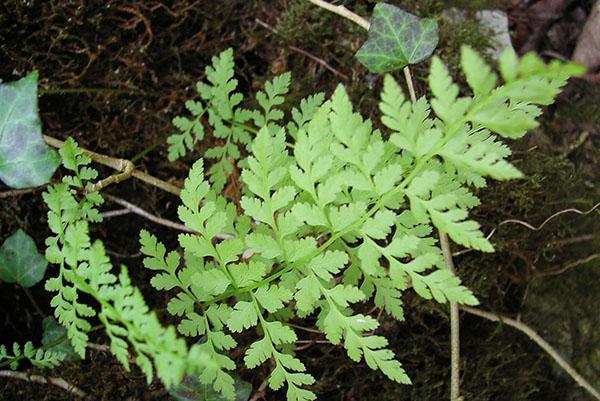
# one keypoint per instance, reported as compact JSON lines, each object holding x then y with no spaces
{"x":156,"y":52}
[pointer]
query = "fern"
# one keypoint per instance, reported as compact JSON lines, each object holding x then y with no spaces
{"x":38,"y":357}
{"x":84,"y":268}
{"x":344,"y":216}
{"x":230,"y":123}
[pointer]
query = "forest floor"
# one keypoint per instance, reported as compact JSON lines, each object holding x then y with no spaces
{"x":114,"y":74}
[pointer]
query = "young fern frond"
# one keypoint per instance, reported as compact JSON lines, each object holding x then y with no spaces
{"x":84,"y":268}
{"x":344,"y":216}
{"x":38,"y":357}
{"x":230,"y":123}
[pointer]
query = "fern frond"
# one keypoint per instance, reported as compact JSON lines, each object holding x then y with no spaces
{"x":343,"y":216}
{"x":38,"y":357}
{"x":84,"y":268}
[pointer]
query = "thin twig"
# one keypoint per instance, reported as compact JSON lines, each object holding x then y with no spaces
{"x":158,"y":220}
{"x":454,"y":315}
{"x":34,"y":303}
{"x":260,"y":392}
{"x":55,"y":381}
{"x":531,"y":227}
{"x":569,"y":266}
{"x":572,"y":147}
{"x":304,"y":52}
{"x":320,"y":61}
{"x":344,"y":12}
{"x":114,"y":213}
{"x":19,"y":192}
{"x":141,"y":212}
{"x":522,"y":327}
{"x":121,"y":165}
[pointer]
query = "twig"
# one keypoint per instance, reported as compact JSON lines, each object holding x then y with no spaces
{"x":158,"y":220}
{"x":141,"y":212}
{"x":99,"y":347}
{"x":531,"y":227}
{"x":522,"y":327}
{"x":121,"y":165}
{"x":304,"y":52}
{"x":571,"y":148}
{"x":320,"y":61}
{"x":569,"y":266}
{"x":454,"y":326}
{"x":575,"y":240}
{"x":260,"y":392}
{"x":34,"y":303}
{"x":344,"y":12}
{"x":55,"y":381}
{"x":114,"y":213}
{"x":19,"y":192}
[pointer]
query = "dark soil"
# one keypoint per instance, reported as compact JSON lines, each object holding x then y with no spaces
{"x":114,"y":74}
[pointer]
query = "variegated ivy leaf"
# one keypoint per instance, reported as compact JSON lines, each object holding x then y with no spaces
{"x":396,"y":39}
{"x":25,"y":159}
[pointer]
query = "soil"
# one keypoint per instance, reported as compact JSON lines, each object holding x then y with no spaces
{"x":114,"y":74}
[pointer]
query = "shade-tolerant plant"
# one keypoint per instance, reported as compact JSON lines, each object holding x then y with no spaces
{"x":336,"y":216}
{"x":344,"y":216}
{"x":84,"y":268}
{"x":20,"y":261}
{"x":397,"y":39}
{"x":25,"y":159}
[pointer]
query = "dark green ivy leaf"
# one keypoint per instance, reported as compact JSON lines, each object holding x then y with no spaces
{"x":25,"y":159}
{"x":191,"y":389}
{"x":20,"y":261}
{"x":53,"y":331}
{"x":397,"y":38}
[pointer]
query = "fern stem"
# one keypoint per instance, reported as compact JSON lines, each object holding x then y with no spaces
{"x":454,"y":326}
{"x":243,"y":126}
{"x":454,"y":315}
{"x":46,"y":346}
{"x":352,"y":227}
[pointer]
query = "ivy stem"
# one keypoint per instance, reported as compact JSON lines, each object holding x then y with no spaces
{"x":344,"y":12}
{"x":409,"y":83}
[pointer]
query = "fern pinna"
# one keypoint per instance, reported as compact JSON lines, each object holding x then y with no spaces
{"x":84,"y":268}
{"x":344,"y":215}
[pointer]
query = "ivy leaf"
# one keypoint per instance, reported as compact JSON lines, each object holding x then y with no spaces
{"x":20,"y":261}
{"x":52,"y":332}
{"x":397,"y":38}
{"x":25,"y":159}
{"x":192,"y":389}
